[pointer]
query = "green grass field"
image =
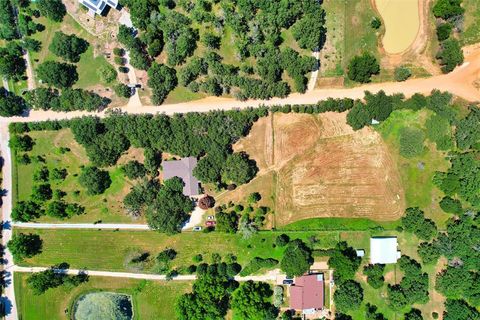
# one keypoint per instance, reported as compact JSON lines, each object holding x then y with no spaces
{"x":105,"y":207}
{"x":155,"y":300}
{"x":340,"y":224}
{"x":471,"y":29}
{"x":107,"y":250}
{"x":88,"y":64}
{"x":417,"y":181}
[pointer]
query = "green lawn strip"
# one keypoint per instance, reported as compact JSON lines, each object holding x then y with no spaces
{"x":339,"y":224}
{"x":417,"y":181}
{"x":471,"y":27}
{"x":155,"y":300}
{"x":105,"y":207}
{"x":107,"y":249}
{"x":182,"y":94}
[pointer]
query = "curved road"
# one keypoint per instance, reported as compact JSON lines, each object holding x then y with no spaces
{"x":464,"y":82}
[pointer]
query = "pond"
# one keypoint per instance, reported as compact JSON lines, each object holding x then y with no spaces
{"x":103,"y":305}
{"x":402,"y":22}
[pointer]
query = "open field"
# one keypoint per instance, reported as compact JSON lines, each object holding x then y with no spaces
{"x":402,"y":21}
{"x":151,"y":300}
{"x":107,"y":250}
{"x":106,"y":207}
{"x":416,"y":173}
{"x":471,"y":25}
{"x":324,"y":169}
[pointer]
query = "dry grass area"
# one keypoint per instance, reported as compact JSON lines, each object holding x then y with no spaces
{"x":322,"y":168}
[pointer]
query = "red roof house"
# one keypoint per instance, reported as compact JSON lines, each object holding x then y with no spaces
{"x":307,"y":293}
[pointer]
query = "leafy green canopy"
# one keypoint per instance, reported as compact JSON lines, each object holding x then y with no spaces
{"x":297,"y":258}
{"x":68,"y":46}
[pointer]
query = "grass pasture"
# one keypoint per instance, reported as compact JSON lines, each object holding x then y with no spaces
{"x":151,"y":300}
{"x":471,"y":25}
{"x":105,"y":207}
{"x":107,"y":250}
{"x":334,"y":173}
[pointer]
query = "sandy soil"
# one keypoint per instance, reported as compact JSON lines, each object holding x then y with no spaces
{"x":325,"y":169}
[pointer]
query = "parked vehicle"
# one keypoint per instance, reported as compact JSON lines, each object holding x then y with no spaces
{"x":288,"y":281}
{"x":197,"y":229}
{"x":211,"y":218}
{"x":210,"y":223}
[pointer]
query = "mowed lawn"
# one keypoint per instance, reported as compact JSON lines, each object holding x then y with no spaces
{"x":417,"y":172}
{"x":48,"y":144}
{"x":107,"y":250}
{"x":152,"y":300}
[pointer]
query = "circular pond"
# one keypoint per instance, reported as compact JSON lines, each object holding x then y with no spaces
{"x":103,"y":305}
{"x":402,"y":22}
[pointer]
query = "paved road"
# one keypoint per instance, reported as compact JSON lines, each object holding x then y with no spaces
{"x":272,"y":276}
{"x":9,"y":295}
{"x":113,"y":226}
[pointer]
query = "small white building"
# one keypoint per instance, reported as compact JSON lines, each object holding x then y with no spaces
{"x":384,"y":250}
{"x":98,"y":6}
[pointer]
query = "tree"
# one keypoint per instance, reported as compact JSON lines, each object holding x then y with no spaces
{"x":414,"y":314}
{"x":446,"y":9}
{"x":107,"y":73}
{"x":254,"y":197}
{"x":451,"y":205}
{"x":206,"y":202}
{"x":134,"y":170}
{"x":372,"y":314}
{"x":239,"y":169}
{"x":444,"y":30}
{"x":42,"y":192}
{"x":40,"y":282}
{"x":376,"y":23}
{"x":344,"y":261}
{"x":226,"y":222}
{"x":58,"y":74}
{"x":21,"y":143}
{"x":374,"y":273}
{"x":211,"y":41}
{"x":8,"y":27}
{"x":402,"y":73}
{"x":459,"y":310}
{"x":282,"y":240}
{"x":361,"y":68}
{"x":170,"y":209}
{"x":358,"y":117}
{"x":450,"y":55}
{"x":429,"y":252}
{"x":454,"y":282}
{"x":122,"y":90}
{"x":162,"y":80}
{"x":25,"y":246}
{"x":25,"y":211}
{"x":348,"y":296}
{"x":309,"y":30}
{"x":11,"y":104}
{"x":251,"y":301}
{"x":68,"y":47}
{"x":414,"y":221}
{"x":12,"y":64}
{"x":96,"y":181}
{"x":52,"y":9}
{"x":297,"y":258}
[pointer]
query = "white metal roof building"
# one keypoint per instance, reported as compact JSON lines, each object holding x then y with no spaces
{"x":97,"y":6}
{"x":383,"y":250}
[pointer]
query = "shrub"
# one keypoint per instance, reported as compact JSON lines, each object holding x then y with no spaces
{"x":134,"y":170}
{"x":450,"y":55}
{"x":376,"y":23}
{"x":206,"y":202}
{"x":402,"y":73}
{"x":107,"y":73}
{"x":282,"y":240}
{"x":443,"y":31}
{"x":257,"y":264}
{"x":450,"y":205}
{"x":96,"y":181}
{"x":361,"y":68}
{"x":411,"y":142}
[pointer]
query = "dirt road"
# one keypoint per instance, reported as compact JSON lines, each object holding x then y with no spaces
{"x":464,"y":82}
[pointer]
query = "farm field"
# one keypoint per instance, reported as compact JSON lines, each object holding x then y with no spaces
{"x":322,"y":168}
{"x":108,"y":250}
{"x":151,"y":300}
{"x":48,"y":145}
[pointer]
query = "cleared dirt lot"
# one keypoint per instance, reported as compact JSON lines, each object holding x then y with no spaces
{"x":324,"y":168}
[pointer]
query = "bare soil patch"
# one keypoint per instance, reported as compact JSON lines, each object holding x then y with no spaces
{"x":324,"y":168}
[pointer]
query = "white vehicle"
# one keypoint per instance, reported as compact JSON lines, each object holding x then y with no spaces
{"x":210,"y":218}
{"x":197,"y":229}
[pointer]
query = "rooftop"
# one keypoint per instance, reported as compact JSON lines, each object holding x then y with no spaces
{"x":97,"y":6}
{"x":383,"y":250}
{"x":183,"y":169}
{"x":307,"y":292}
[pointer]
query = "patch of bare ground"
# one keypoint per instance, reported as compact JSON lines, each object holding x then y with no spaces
{"x":325,"y":169}
{"x":132,"y":154}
